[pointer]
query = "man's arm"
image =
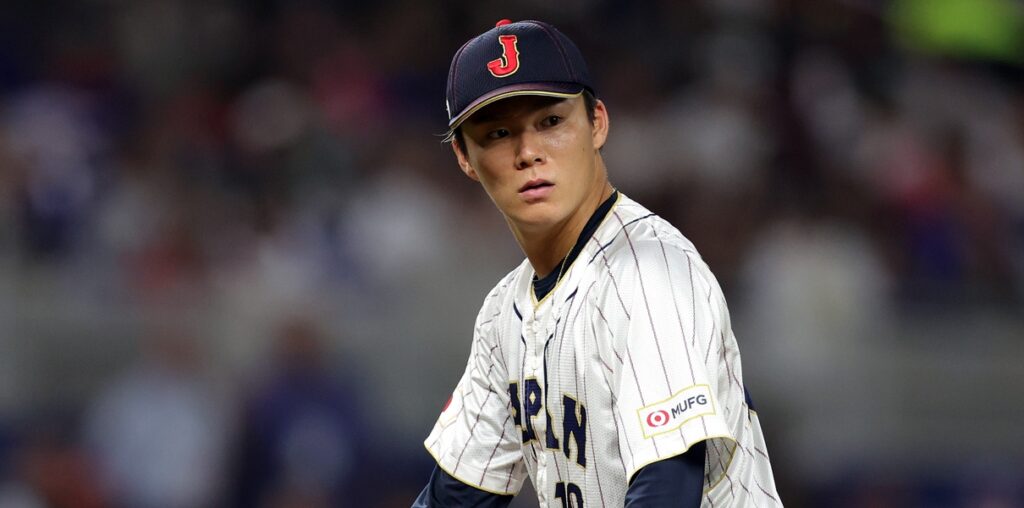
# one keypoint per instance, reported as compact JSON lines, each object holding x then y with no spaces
{"x":666,"y":394}
{"x":474,"y":440}
{"x":676,"y":481}
{"x":444,"y":491}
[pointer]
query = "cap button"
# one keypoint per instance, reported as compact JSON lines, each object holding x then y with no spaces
{"x":503,"y":23}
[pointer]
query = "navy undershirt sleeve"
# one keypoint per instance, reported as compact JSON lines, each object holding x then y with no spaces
{"x":444,"y":491}
{"x":673,"y":482}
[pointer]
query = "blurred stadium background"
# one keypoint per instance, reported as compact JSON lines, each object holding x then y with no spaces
{"x":238,"y":267}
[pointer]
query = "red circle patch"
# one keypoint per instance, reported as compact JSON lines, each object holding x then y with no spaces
{"x":657,"y":418}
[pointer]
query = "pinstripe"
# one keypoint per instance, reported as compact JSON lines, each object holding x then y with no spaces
{"x":693,"y":310}
{"x":548,"y":422}
{"x":504,"y":427}
{"x":588,"y":323}
{"x":608,"y":327}
{"x":629,"y":355}
{"x":647,"y":305}
{"x":721,"y":464}
{"x":590,"y":431}
{"x":617,"y":419}
{"x":711,"y":341}
{"x":480,"y":331}
{"x":749,"y":493}
{"x":693,"y":333}
{"x":445,"y":427}
{"x":744,"y":449}
{"x":558,"y":471}
{"x":640,"y":392}
{"x":601,"y":247}
{"x":679,"y":320}
{"x":707,"y":474}
{"x":561,"y":338}
{"x":485,"y":323}
{"x":636,"y":380}
{"x":769,"y":494}
{"x":521,"y":379}
{"x":728,"y":368}
{"x":511,"y":474}
{"x":577,"y":315}
{"x":463,"y":407}
{"x":475,"y":422}
{"x":615,"y":414}
{"x":611,"y":277}
{"x":576,"y":376}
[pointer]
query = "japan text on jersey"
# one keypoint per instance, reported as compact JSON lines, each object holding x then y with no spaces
{"x":629,"y":360}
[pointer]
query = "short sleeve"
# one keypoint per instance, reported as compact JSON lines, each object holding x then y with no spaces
{"x":663,"y":325}
{"x":475,"y":439}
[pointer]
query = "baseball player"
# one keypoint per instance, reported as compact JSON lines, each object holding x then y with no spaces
{"x":604,"y":366}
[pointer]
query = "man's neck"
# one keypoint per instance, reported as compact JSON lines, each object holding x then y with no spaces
{"x":547,"y":248}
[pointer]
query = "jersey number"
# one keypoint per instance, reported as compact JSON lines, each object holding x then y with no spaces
{"x":570,"y":494}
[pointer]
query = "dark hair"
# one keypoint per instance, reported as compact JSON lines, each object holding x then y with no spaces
{"x":589,"y":103}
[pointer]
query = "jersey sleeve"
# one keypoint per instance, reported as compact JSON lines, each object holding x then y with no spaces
{"x":665,"y":327}
{"x":443,"y":491}
{"x":474,"y":439}
{"x":676,"y":481}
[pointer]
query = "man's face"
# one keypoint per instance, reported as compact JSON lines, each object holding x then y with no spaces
{"x":536,"y":157}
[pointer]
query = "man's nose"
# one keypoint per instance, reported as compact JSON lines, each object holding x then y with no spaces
{"x":529,"y":150}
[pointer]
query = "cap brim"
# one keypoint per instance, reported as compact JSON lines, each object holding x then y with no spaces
{"x":563,"y":90}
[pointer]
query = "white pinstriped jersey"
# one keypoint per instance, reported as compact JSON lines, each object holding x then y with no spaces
{"x":630,"y":359}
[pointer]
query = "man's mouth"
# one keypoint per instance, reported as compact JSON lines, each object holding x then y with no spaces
{"x":535,"y":184}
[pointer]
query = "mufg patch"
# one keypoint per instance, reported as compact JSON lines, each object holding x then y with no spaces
{"x":673,"y":412}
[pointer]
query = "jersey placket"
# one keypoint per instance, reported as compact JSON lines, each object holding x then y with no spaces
{"x":538,"y":330}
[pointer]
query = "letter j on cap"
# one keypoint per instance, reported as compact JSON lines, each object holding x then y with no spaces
{"x":508,"y":64}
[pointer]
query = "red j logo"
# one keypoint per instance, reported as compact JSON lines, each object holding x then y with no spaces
{"x":509,"y":61}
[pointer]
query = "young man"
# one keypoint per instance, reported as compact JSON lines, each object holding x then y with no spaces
{"x":604,"y":366}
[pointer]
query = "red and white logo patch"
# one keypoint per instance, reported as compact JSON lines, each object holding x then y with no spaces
{"x":657,"y":418}
{"x":673,"y":412}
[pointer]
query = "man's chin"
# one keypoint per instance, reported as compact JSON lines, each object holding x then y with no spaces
{"x":534,"y":216}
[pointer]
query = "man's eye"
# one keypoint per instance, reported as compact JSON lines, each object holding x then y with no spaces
{"x":497,"y":133}
{"x":552,"y":120}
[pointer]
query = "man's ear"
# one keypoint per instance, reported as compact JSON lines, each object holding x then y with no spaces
{"x":464,"y":164}
{"x":599,"y":130}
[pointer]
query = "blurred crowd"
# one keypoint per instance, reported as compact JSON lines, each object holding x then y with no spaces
{"x":239,"y":268}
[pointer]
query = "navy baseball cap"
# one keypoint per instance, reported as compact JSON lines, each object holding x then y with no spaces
{"x":521,"y":58}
